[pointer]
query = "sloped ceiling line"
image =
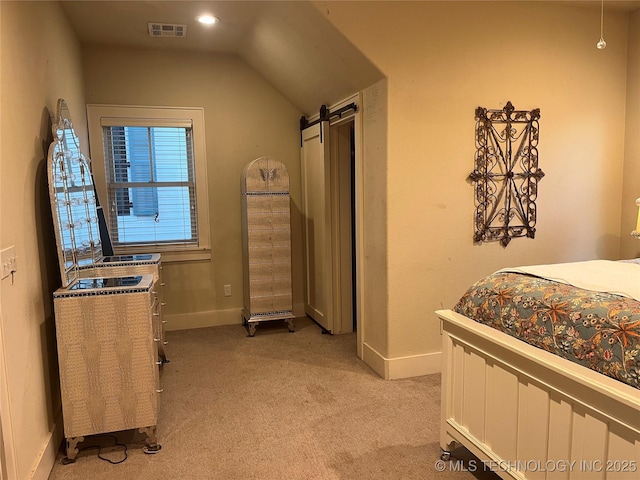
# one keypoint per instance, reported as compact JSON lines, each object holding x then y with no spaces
{"x":290,"y":44}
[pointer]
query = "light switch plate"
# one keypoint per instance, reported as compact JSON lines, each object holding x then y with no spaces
{"x":8,"y":261}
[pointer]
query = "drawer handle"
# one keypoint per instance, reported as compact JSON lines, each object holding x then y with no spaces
{"x":164,"y":321}
{"x":162,"y":304}
{"x":162,"y":284}
{"x":156,"y":314}
{"x":165,"y":343}
{"x":159,"y":390}
{"x":159,"y":363}
{"x":156,"y":339}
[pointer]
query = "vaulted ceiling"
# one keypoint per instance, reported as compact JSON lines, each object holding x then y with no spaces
{"x":289,"y":43}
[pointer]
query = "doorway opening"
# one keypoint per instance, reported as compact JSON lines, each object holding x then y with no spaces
{"x":343,"y":200}
{"x":332,"y":177}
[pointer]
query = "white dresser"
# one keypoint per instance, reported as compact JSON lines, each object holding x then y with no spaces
{"x":108,"y":312}
{"x":266,"y":233}
{"x":108,"y":358}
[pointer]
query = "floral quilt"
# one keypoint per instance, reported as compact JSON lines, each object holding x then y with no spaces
{"x":598,"y":330}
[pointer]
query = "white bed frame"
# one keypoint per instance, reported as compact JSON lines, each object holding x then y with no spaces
{"x":529,"y":414}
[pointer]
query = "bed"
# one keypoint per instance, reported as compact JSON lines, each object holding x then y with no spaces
{"x":540,"y":372}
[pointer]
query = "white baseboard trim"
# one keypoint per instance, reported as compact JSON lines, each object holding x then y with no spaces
{"x":213,"y":318}
{"x":298,"y":309}
{"x":371,"y":357}
{"x":402,"y":367}
{"x":47,"y":457}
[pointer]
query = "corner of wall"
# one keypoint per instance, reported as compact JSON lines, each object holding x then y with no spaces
{"x":402,"y":367}
{"x":375,"y":328}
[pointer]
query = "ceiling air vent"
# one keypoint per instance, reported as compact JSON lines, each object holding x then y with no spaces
{"x":167,"y":30}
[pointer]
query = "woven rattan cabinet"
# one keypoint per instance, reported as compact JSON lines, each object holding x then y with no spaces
{"x":108,"y":358}
{"x":108,"y":311}
{"x":266,"y":229}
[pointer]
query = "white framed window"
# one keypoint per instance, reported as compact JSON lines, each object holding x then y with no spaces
{"x":149,"y":167}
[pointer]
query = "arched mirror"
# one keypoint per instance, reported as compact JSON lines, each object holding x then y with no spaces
{"x":73,"y":199}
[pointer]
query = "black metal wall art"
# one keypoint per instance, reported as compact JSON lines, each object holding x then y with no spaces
{"x":506,"y":174}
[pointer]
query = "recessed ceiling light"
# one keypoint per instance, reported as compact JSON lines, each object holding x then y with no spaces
{"x":207,"y":19}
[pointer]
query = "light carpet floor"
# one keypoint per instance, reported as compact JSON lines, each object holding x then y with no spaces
{"x":277,"y":406}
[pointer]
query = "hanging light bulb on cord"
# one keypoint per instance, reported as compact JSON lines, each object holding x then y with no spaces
{"x":601,"y":43}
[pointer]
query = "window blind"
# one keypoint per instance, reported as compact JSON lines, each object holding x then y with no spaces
{"x":150,"y":185}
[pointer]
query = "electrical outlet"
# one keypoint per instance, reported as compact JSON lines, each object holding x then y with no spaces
{"x":227,"y":290}
{"x":8,"y":261}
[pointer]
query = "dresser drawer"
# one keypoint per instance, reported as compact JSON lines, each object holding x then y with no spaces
{"x":276,"y":286}
{"x":275,"y":254}
{"x":269,"y":238}
{"x":271,"y":304}
{"x":261,"y":204}
{"x":268,"y":221}
{"x":269,"y":271}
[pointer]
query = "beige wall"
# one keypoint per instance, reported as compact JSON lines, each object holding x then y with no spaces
{"x":442,"y":60}
{"x":630,"y":247}
{"x":40,"y":62}
{"x":245,"y":118}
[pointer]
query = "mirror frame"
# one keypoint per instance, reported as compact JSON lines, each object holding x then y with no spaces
{"x":73,"y":199}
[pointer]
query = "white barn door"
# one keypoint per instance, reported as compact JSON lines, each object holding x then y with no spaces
{"x":316,"y":212}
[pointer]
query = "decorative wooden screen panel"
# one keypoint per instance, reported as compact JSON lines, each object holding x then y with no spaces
{"x":506,"y":174}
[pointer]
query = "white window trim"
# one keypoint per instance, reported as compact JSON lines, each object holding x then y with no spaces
{"x":99,"y":115}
